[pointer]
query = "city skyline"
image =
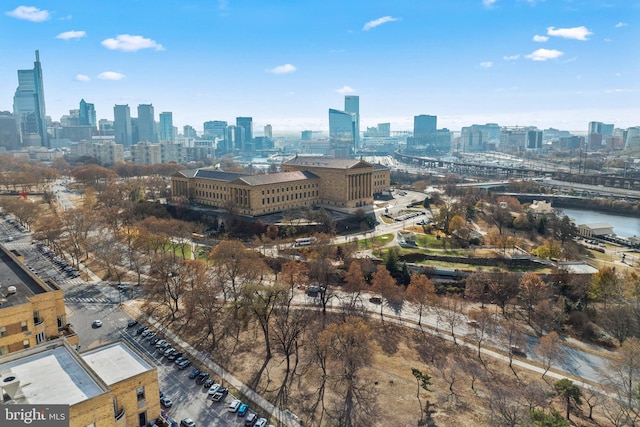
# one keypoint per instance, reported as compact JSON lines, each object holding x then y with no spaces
{"x":558,"y":64}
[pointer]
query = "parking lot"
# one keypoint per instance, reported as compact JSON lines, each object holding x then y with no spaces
{"x":189,"y":398}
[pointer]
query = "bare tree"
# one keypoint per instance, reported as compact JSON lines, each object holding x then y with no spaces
{"x":622,"y":375}
{"x":422,"y":293}
{"x":550,"y":350}
{"x":348,"y":344}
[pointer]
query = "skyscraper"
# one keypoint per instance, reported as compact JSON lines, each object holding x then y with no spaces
{"x":352,"y":105}
{"x":247,"y":124}
{"x":166,"y":127}
{"x":215,"y":129}
{"x":425,"y":131}
{"x":28,"y":106}
{"x":342,"y":129}
{"x":87,"y":114}
{"x":268,"y":131}
{"x":122,"y":125}
{"x":146,"y":123}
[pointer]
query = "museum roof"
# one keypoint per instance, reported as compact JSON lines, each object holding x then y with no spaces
{"x":324,"y":162}
{"x":277,"y":178}
{"x":211,"y":174}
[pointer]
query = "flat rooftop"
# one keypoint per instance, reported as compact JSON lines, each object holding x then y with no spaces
{"x":51,"y":375}
{"x":13,"y":273}
{"x":115,"y":362}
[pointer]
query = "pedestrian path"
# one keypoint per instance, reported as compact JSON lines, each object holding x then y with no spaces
{"x":284,"y":416}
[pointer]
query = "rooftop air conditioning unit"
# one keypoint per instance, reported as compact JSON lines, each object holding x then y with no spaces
{"x":10,"y":384}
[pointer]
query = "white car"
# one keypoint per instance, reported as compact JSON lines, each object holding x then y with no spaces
{"x":234,"y":405}
{"x":214,"y":388}
{"x":97,"y":324}
{"x":160,"y":343}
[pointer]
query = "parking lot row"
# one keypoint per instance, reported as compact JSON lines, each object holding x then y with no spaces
{"x":223,"y":407}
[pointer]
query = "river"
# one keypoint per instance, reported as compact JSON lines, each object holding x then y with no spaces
{"x":623,"y":226}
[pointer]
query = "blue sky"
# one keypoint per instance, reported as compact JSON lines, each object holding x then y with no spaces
{"x":548,"y":63}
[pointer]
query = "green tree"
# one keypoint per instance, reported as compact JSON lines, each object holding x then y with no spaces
{"x":605,"y":285}
{"x":423,"y":381}
{"x":391,"y":262}
{"x":570,"y":392}
{"x":542,"y":419}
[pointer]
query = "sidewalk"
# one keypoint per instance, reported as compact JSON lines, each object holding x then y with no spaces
{"x":284,"y":417}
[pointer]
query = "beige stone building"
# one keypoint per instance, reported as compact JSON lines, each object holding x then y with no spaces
{"x":31,"y":310}
{"x":339,"y":184}
{"x":108,"y":386}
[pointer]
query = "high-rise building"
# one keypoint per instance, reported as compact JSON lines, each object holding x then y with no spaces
{"x":342,"y":133}
{"x":189,"y":131}
{"x":146,"y":123}
{"x":247,"y":124}
{"x":268,"y":132}
{"x":425,"y":131}
{"x":28,"y":106}
{"x":307,"y":135}
{"x":86,"y":114}
{"x":352,"y":105}
{"x":215,"y":129}
{"x":166,"y":126}
{"x":534,"y":139}
{"x":122,"y":125}
{"x":9,"y":131}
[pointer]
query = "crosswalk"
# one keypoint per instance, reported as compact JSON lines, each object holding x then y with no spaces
{"x":96,"y":300}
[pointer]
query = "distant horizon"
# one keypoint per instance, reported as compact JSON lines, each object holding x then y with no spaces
{"x":550,"y":64}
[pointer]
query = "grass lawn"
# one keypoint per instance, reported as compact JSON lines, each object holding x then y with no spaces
{"x":377,"y":241}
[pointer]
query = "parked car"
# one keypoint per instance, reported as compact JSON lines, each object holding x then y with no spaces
{"x":160,"y":343}
{"x":146,"y":332}
{"x":208,"y":383}
{"x":242,"y":410}
{"x":202,"y":377}
{"x":251,"y":419}
{"x":141,"y":329}
{"x":168,"y":351}
{"x":96,"y":324}
{"x":173,"y":356}
{"x":187,"y":422}
{"x":220,"y":394}
{"x":214,"y":388}
{"x":234,"y":405}
{"x":194,"y":373}
{"x":179,"y":360}
{"x":150,"y":335}
{"x":262,"y":422}
{"x":154,"y":340}
{"x":172,"y":422}
{"x":166,"y":402}
{"x":184,"y":364}
{"x":131,"y":323}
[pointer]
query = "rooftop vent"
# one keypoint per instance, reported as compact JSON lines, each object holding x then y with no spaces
{"x":10,"y":384}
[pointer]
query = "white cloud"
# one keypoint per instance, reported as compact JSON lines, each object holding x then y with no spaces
{"x":376,"y":22}
{"x":618,"y":91}
{"x":576,"y":33}
{"x":511,"y":57}
{"x":540,"y":39}
{"x":621,"y":24}
{"x":111,"y":75}
{"x":68,"y":35}
{"x":487,"y":64}
{"x":544,"y":54}
{"x":345,"y":89}
{"x":488,"y":3}
{"x":82,"y":78}
{"x":129,"y":43}
{"x":282,"y":69}
{"x":29,"y":13}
